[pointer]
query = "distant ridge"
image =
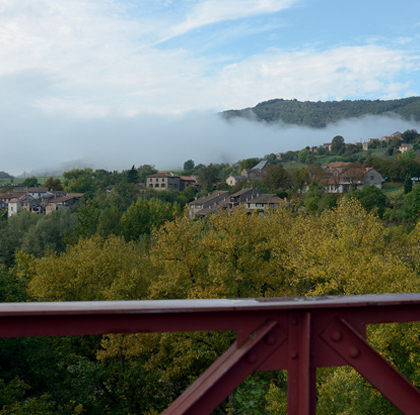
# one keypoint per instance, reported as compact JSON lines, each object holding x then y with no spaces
{"x":319,"y":114}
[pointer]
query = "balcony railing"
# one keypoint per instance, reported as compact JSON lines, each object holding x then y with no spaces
{"x":293,"y":334}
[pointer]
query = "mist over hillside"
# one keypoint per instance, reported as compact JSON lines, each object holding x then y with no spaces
{"x":320,"y":114}
{"x":166,"y":142}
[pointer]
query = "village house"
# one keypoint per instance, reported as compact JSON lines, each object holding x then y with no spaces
{"x":280,"y":156}
{"x":405,"y":147}
{"x":26,"y":202}
{"x":313,"y":149}
{"x":264,"y":202}
{"x":38,"y":192}
{"x":250,"y":198}
{"x":243,"y":196}
{"x":345,"y":177}
{"x":163,"y":181}
{"x":63,"y":202}
{"x":327,"y":146}
{"x":7,"y":196}
{"x":388,"y":138}
{"x":372,"y":142}
{"x":257,"y":171}
{"x":166,"y":181}
{"x":234,"y":180}
{"x":187,"y":181}
{"x":206,"y":202}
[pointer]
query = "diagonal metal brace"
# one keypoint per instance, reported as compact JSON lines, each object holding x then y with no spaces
{"x":354,"y":349}
{"x":228,"y":371}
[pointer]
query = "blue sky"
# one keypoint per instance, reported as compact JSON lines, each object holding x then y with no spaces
{"x":76,"y":63}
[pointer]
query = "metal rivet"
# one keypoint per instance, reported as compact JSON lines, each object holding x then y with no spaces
{"x":354,"y":352}
{"x":336,"y":336}
{"x":251,"y":357}
{"x":270,"y":338}
{"x":294,"y":354}
{"x":294,"y":321}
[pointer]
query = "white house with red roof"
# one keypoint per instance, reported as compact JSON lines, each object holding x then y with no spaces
{"x":25,"y":202}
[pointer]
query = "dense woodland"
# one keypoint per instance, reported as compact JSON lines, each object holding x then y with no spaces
{"x":319,"y":114}
{"x":139,"y":245}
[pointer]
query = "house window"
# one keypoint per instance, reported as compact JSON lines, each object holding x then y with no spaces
{"x":157,"y":185}
{"x":162,"y":185}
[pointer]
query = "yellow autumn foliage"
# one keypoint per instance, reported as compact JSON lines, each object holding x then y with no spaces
{"x":343,"y":251}
{"x":94,"y":269}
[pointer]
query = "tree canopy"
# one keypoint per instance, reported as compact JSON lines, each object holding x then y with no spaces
{"x":320,"y":114}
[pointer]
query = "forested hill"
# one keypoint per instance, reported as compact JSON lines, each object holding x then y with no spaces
{"x":319,"y":114}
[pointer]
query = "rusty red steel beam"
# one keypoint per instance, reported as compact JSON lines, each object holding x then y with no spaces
{"x":342,"y":338}
{"x":301,"y":385}
{"x":222,"y":377}
{"x":303,"y":324}
{"x":78,"y":318}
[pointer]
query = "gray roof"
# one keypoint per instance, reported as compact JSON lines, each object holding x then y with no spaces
{"x":260,"y":165}
{"x":266,"y":198}
{"x":208,"y":198}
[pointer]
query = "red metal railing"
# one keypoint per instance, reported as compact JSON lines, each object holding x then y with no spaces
{"x":295,"y":334}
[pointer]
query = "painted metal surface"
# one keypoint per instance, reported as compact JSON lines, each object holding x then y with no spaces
{"x":295,"y":334}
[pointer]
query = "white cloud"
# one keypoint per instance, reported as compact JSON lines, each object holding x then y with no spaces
{"x":214,"y":11}
{"x":94,"y":59}
{"x":336,"y":73}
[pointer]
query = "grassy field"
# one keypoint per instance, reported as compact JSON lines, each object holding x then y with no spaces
{"x":378,"y":152}
{"x":328,"y":158}
{"x":393,"y":188}
{"x":16,"y":180}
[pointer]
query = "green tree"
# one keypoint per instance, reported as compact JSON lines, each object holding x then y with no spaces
{"x":410,"y":136}
{"x":408,"y":184}
{"x":321,"y":151}
{"x":208,"y":176}
{"x":337,"y":145}
{"x":53,"y":184}
{"x":4,"y":175}
{"x":13,"y":233}
{"x":248,"y":163}
{"x":305,"y":156}
{"x":132,"y":175}
{"x":51,"y":232}
{"x":395,"y":143}
{"x":144,"y":171}
{"x":412,"y":203}
{"x":12,"y":288}
{"x":87,"y":220}
{"x":79,"y":181}
{"x":109,"y":222}
{"x":189,"y":165}
{"x":409,"y":154}
{"x":30,"y":182}
{"x":123,"y":195}
{"x":291,"y":155}
{"x":277,"y":179}
{"x":313,"y":197}
{"x":145,"y":215}
{"x":370,"y":197}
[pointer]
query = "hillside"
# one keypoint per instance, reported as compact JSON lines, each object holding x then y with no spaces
{"x":319,"y":114}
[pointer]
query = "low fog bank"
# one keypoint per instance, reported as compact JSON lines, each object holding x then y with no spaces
{"x":37,"y":142}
